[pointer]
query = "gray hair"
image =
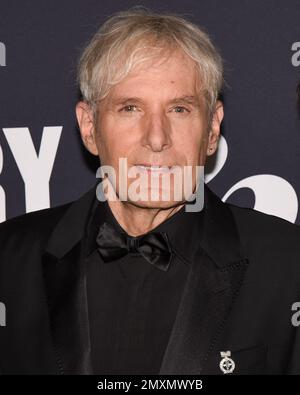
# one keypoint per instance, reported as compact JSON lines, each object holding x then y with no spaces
{"x":135,"y":35}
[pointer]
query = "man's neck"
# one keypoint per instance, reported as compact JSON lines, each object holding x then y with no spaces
{"x":137,"y":220}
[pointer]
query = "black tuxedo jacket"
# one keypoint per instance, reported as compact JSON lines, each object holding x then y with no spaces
{"x":238,"y":295}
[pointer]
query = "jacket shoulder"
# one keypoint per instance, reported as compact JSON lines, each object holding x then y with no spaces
{"x":262,"y":232}
{"x":259,"y":221}
{"x":39,"y":222}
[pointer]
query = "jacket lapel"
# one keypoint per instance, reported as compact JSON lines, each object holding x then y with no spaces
{"x":65,"y":280}
{"x":212,"y":284}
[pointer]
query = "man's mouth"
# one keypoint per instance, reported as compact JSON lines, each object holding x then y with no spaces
{"x":153,"y":168}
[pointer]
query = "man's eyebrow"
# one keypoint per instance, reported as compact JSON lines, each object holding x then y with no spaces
{"x":189,"y":99}
{"x":125,"y":99}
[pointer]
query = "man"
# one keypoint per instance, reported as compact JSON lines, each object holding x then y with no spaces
{"x":122,"y":285}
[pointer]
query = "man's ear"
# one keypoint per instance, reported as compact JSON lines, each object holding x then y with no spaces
{"x":86,"y":125}
{"x":215,"y":128}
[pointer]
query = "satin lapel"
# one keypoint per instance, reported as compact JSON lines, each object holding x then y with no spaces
{"x":65,"y":282}
{"x":212,"y":284}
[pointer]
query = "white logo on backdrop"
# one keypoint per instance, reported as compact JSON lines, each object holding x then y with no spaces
{"x":273,"y":194}
{"x":34,"y":168}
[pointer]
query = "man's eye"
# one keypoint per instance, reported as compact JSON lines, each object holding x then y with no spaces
{"x":181,"y":109}
{"x":128,"y":108}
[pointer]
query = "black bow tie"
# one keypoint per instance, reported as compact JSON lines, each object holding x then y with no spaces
{"x":154,"y":247}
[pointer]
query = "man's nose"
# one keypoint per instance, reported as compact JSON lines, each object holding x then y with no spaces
{"x":157,"y":132}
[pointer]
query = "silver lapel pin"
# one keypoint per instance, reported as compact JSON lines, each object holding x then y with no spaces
{"x":227,"y":364}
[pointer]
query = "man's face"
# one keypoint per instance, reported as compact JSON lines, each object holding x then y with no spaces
{"x":155,"y":117}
